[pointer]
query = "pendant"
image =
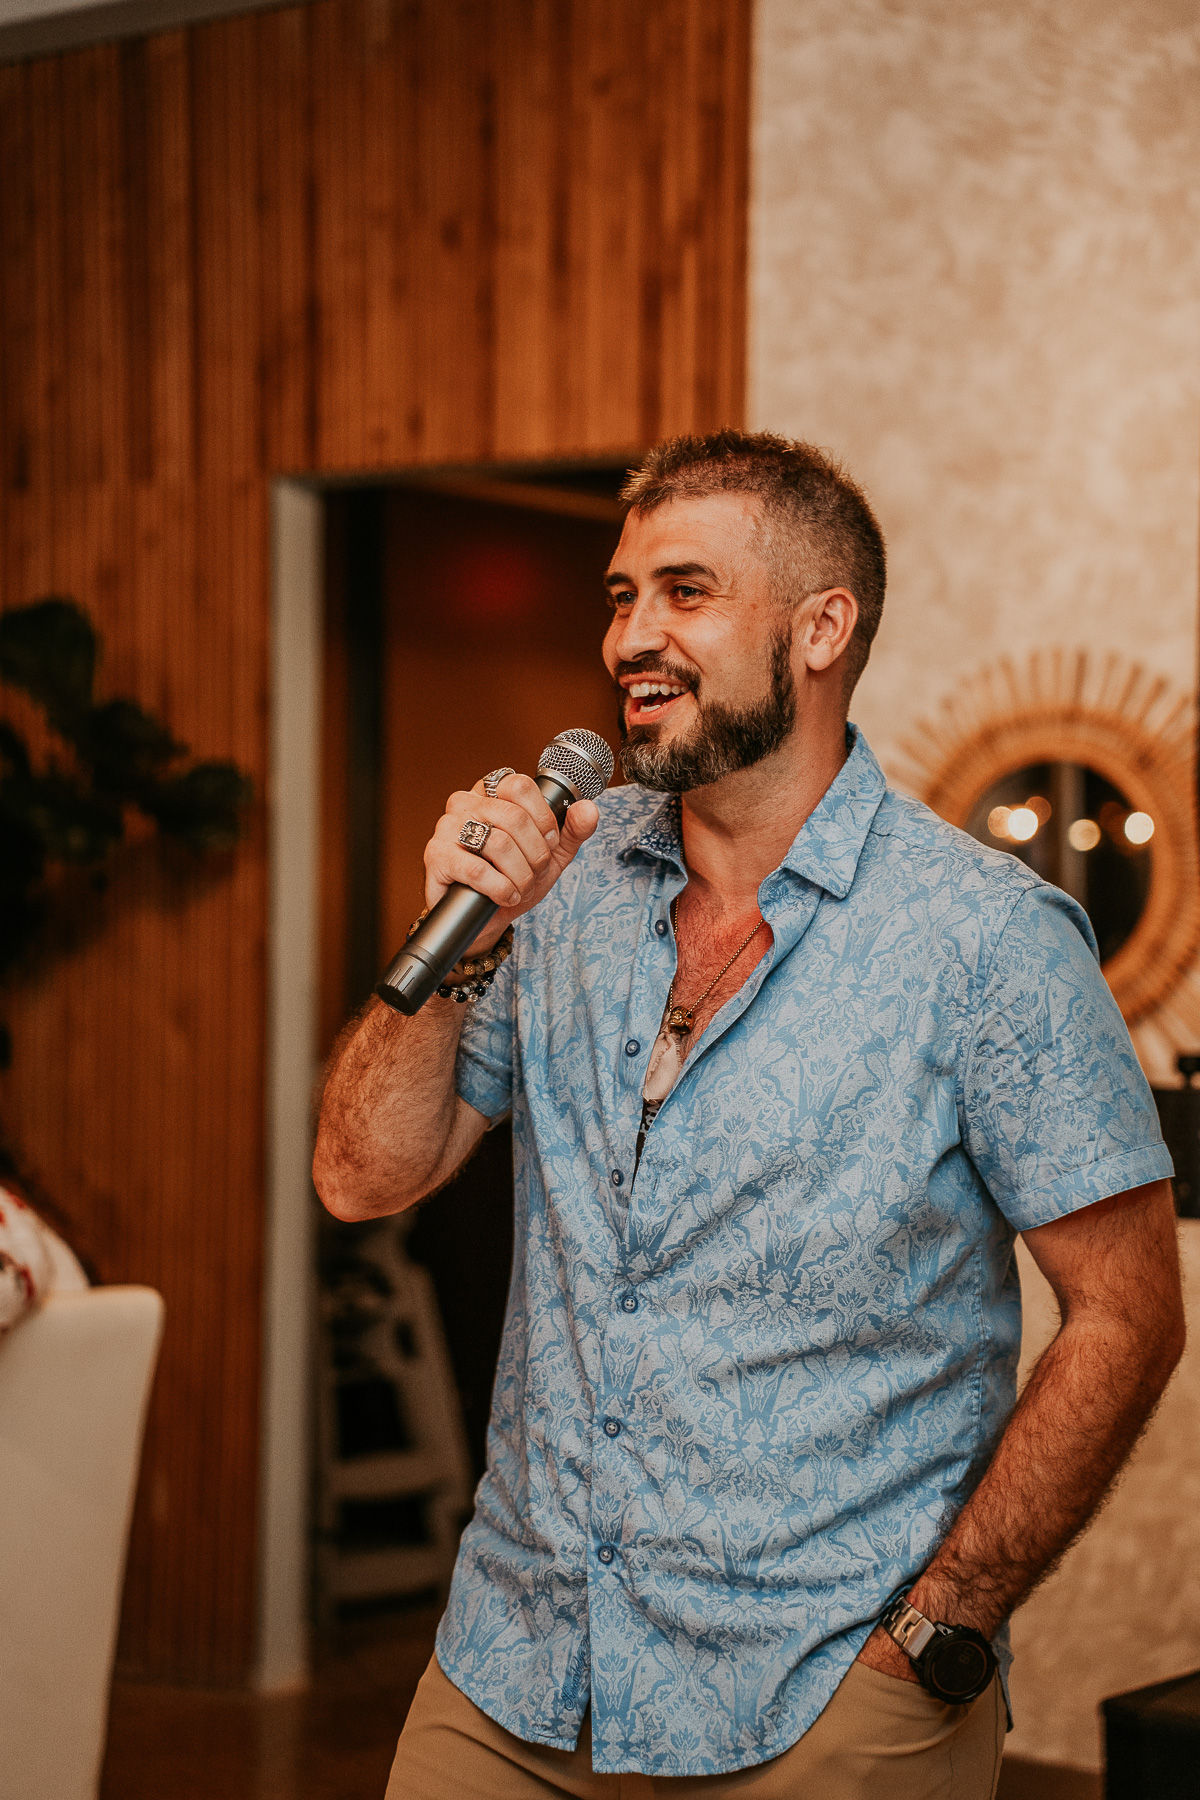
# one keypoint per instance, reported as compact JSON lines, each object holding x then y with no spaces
{"x":680,"y":1020}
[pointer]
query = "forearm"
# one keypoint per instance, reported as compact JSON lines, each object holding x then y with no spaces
{"x":388,"y":1112}
{"x":1075,"y":1423}
{"x":1114,"y":1270}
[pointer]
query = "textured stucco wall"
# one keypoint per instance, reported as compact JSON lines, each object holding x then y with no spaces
{"x":975,"y":275}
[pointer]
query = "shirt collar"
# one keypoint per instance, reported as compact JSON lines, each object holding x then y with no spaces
{"x":828,"y":845}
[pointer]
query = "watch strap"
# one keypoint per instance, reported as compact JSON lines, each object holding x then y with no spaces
{"x":907,"y":1627}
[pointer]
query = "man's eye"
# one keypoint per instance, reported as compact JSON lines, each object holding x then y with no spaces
{"x":619,"y":597}
{"x":683,"y":592}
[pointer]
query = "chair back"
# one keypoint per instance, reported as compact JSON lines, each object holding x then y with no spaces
{"x":74,"y":1381}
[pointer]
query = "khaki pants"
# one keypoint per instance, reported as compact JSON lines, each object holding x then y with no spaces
{"x":879,"y":1738}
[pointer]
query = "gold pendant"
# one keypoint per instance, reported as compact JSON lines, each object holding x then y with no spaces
{"x":680,"y":1019}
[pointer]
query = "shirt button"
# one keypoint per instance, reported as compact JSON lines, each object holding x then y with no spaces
{"x":632,"y":1047}
{"x":660,"y":925}
{"x":616,"y":1178}
{"x":612,"y":1427}
{"x":629,"y":1303}
{"x":606,"y":1553}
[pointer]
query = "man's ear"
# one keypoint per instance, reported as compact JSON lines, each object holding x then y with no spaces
{"x":829,"y":626}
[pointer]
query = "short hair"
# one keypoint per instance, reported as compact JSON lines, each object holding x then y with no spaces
{"x":820,"y":530}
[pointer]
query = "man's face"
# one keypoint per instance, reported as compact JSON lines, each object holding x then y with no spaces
{"x":699,"y":647}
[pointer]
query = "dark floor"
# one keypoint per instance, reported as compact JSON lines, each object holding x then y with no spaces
{"x":335,"y":1741}
{"x":1020,"y":1780}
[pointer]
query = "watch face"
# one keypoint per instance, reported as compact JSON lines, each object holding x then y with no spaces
{"x":957,"y":1668}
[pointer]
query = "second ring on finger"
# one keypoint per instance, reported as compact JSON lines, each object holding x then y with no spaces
{"x":492,"y":780}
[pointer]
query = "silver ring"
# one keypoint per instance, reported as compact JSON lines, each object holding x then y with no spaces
{"x":492,"y":782}
{"x":474,"y":835}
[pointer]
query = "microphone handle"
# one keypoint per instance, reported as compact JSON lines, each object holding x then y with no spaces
{"x":452,"y":925}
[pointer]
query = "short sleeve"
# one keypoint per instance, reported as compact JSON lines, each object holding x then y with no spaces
{"x":1057,"y":1113}
{"x":483,"y":1073}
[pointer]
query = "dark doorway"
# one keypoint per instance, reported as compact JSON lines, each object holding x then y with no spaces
{"x":464,"y":619}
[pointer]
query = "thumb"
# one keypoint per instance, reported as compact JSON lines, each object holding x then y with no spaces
{"x":581,"y":820}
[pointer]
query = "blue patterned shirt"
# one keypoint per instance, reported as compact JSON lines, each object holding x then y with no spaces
{"x":742,"y":1393}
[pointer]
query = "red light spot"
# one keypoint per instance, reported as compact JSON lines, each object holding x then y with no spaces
{"x":490,"y":584}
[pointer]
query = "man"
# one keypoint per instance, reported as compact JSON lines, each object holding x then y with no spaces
{"x":790,"y":1062}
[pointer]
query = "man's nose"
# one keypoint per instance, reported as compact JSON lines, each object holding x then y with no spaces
{"x":639,"y":632}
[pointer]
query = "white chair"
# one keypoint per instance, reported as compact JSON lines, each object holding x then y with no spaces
{"x":74,"y":1381}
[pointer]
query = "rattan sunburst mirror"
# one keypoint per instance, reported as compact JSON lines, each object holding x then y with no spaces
{"x":1119,"y":729}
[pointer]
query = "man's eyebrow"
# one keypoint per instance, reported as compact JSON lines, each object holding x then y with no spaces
{"x":616,"y":579}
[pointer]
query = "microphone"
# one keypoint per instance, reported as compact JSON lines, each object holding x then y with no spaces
{"x":576,"y":765}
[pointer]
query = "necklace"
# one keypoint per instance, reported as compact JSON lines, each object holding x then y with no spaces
{"x":681,"y":1019}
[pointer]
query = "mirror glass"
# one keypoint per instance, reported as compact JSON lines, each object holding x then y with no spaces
{"x":1074,"y":828}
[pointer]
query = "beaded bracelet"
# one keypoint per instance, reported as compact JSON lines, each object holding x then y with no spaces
{"x":476,"y":973}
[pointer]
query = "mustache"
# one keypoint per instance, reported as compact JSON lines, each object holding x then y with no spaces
{"x":653,"y":667}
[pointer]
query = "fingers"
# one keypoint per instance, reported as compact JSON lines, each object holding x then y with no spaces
{"x":447,"y":864}
{"x":523,"y":792}
{"x":515,"y":844}
{"x":524,"y":853}
{"x":514,"y":858}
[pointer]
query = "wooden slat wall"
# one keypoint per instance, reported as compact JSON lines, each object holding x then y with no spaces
{"x":357,"y":234}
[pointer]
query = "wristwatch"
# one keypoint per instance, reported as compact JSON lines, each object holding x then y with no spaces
{"x":955,"y":1663}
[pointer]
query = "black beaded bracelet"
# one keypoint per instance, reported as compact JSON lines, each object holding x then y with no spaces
{"x":466,"y":991}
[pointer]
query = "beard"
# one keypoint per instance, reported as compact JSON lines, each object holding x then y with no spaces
{"x":723,"y":738}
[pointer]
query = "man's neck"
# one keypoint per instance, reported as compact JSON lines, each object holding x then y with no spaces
{"x":739,"y":829}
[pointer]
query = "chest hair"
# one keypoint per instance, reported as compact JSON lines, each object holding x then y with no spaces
{"x":706,"y":938}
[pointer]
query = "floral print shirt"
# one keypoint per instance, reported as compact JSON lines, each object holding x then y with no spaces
{"x":743,"y":1392}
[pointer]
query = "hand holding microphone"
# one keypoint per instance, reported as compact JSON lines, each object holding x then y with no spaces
{"x":496,"y":854}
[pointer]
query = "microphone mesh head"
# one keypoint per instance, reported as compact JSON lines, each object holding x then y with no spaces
{"x":582,"y":758}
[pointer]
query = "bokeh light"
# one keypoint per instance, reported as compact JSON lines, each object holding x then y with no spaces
{"x":1022,"y":823}
{"x":998,"y":821}
{"x":1084,"y":834}
{"x":1139,"y":828}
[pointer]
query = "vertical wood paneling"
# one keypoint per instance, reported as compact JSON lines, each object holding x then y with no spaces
{"x":351,"y":235}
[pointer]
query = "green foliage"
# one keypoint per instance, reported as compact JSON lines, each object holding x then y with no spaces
{"x":73,"y":811}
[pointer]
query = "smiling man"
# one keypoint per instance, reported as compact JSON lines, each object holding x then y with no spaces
{"x":790,"y":1063}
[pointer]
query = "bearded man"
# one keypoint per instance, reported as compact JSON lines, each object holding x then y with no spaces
{"x":790,"y":1062}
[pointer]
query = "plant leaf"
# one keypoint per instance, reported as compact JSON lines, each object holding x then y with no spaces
{"x":49,"y":649}
{"x":14,"y":753}
{"x":125,"y":746}
{"x":203,"y":806}
{"x":70,"y":824}
{"x":22,"y":850}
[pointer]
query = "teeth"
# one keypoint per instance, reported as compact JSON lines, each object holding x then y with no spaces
{"x":641,"y":690}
